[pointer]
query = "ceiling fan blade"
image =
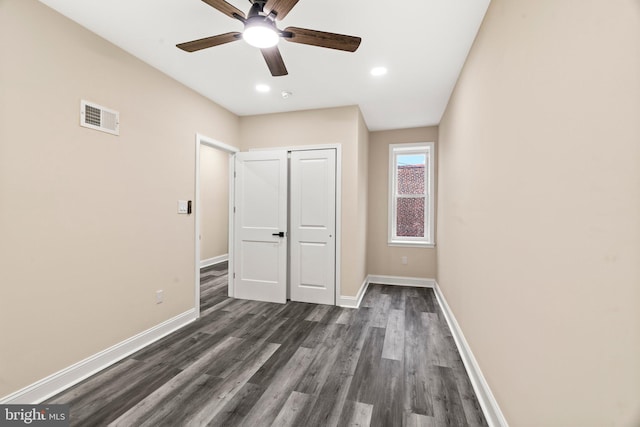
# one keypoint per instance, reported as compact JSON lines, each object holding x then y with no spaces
{"x":280,"y":7}
{"x":225,"y":8}
{"x":322,"y":39}
{"x":274,"y":61}
{"x":206,"y":42}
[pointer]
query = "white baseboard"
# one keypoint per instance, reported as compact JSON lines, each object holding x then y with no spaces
{"x":61,"y":380}
{"x":418,"y":282}
{"x":213,"y":261}
{"x":489,"y":405}
{"x":354,"y":302}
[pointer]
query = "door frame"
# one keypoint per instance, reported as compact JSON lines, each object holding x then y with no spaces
{"x":338,"y":231}
{"x":230,"y":150}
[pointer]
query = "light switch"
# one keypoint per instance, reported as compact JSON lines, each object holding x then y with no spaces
{"x":182,"y":207}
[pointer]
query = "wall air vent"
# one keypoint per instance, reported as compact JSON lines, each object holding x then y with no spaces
{"x":97,"y":117}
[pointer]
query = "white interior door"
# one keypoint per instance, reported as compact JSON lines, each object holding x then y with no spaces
{"x":313,"y":223}
{"x":260,"y":225}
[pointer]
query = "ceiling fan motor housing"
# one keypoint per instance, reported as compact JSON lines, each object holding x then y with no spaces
{"x":257,"y":9}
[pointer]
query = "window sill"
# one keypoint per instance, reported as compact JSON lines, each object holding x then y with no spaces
{"x":427,"y":245}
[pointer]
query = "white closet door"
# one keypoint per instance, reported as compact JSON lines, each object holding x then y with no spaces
{"x":313,"y":223}
{"x":260,"y":222}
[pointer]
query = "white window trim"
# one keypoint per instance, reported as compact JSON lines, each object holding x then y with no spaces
{"x":421,"y":147}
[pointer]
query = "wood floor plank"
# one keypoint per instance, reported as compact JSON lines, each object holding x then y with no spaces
{"x":381,"y":308}
{"x":315,"y":336}
{"x":293,"y":410}
{"x":438,"y":351}
{"x":361,"y":415}
{"x":417,"y":420}
{"x":298,"y":310}
{"x":230,"y":386}
{"x":95,"y":385}
{"x":177,"y":406}
{"x":238,"y":305}
{"x":173,"y":342}
{"x":330,"y":401}
{"x":447,"y":403}
{"x":471,"y":406}
{"x":417,"y":394}
{"x":291,"y":331}
{"x":230,"y":360}
{"x":234,"y":411}
{"x":257,"y":326}
{"x":326,"y":354}
{"x":417,"y":304}
{"x":318,"y":313}
{"x":362,"y":385}
{"x":267,"y":408}
{"x":388,"y":386}
{"x":228,"y":321}
{"x":96,"y":406}
{"x":332,"y":314}
{"x":289,"y":338}
{"x":429,"y":296}
{"x":140,"y":412}
{"x":371,"y":296}
{"x":241,"y":355}
{"x":266,"y":309}
{"x":196,"y":347}
{"x":356,"y":414}
{"x":411,"y":292}
{"x":397,"y":297}
{"x":393,"y":347}
{"x":391,"y":362}
{"x":216,"y":307}
{"x":347,"y":316}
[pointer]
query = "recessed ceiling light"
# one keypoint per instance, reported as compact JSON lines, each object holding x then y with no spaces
{"x":263,"y":88}
{"x":378,"y":71}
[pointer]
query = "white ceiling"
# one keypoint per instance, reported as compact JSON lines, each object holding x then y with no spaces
{"x":423,"y":43}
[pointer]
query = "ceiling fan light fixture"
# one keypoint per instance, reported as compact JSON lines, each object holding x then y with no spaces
{"x":378,"y":71}
{"x":260,"y":35}
{"x":263,"y":88}
{"x":260,"y":31}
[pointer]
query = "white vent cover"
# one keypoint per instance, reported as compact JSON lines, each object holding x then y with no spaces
{"x":97,"y":117}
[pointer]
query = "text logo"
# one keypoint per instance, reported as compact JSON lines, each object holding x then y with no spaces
{"x":34,"y":415}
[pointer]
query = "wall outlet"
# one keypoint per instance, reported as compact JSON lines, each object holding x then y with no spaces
{"x":159,"y":296}
{"x":405,"y":260}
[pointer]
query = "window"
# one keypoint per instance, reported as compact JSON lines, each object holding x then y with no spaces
{"x":411,"y":194}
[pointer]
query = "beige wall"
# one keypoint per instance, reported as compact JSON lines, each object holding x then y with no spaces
{"x":214,"y":202}
{"x":327,"y":126}
{"x":88,"y":221}
{"x":359,"y":263}
{"x":383,"y":259}
{"x":539,"y":210}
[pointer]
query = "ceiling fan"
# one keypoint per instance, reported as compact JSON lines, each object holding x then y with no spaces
{"x":260,"y":31}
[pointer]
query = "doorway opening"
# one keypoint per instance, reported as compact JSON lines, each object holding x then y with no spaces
{"x":216,"y":247}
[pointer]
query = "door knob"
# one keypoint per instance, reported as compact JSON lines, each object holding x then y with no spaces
{"x":280,"y":234}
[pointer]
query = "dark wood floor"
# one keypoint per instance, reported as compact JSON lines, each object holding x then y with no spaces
{"x":391,"y":362}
